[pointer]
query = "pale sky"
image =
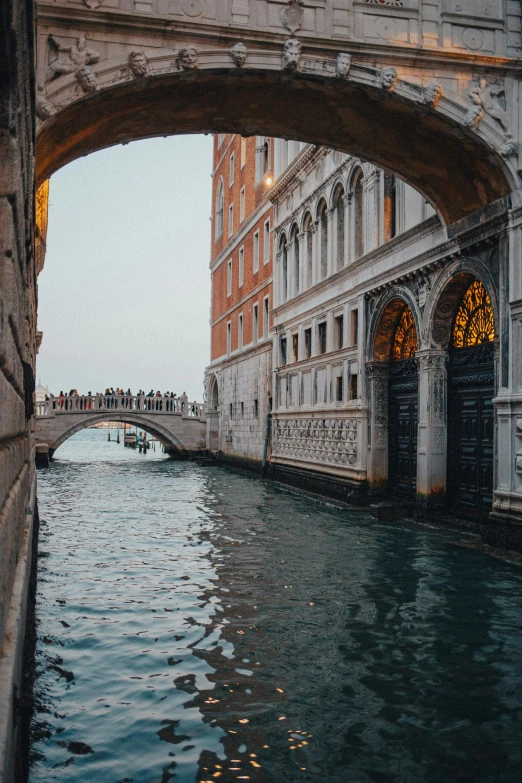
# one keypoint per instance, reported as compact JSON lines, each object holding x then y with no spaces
{"x":124,"y":297}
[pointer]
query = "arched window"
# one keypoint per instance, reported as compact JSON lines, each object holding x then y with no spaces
{"x":309,"y":249}
{"x":405,"y":338}
{"x":283,"y":249}
{"x":339,"y":226}
{"x":323,"y":238}
{"x":214,"y":394}
{"x":220,"y":208}
{"x":358,"y":216}
{"x":474,"y":322}
{"x":390,"y":206}
{"x":295,"y":244}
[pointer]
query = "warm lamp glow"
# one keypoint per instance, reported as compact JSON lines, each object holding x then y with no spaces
{"x":268,"y":181}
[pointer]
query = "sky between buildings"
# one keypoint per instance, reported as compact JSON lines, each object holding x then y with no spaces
{"x":124,"y":297}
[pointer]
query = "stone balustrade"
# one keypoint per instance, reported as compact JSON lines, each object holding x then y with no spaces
{"x":103,"y":403}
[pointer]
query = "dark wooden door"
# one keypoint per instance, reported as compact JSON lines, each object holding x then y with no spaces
{"x":402,"y":436}
{"x":470,"y":435}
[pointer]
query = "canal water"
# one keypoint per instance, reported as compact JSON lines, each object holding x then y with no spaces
{"x":199,"y":625}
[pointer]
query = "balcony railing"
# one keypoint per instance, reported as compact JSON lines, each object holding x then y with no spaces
{"x":119,"y":403}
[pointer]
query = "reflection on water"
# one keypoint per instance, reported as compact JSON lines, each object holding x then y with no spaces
{"x":198,"y":625}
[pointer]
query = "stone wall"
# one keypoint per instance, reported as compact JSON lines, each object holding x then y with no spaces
{"x":17,"y":346}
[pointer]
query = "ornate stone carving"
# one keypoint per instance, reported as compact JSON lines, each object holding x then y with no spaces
{"x":138,"y":64}
{"x":489,"y":97}
{"x":389,"y":3}
{"x":474,"y":114}
{"x":44,"y":107}
{"x":93,"y":4}
{"x":292,"y":15}
{"x":86,"y":78}
{"x":238,"y":54}
{"x":193,"y":8}
{"x":324,"y":440}
{"x":432,"y":94}
{"x":388,"y":78}
{"x":292,"y":49}
{"x":188,"y":59}
{"x":423,"y":287}
{"x":343,"y":63}
{"x":63,"y":60}
{"x":509,"y":149}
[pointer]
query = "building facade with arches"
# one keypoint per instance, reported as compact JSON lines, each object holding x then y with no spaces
{"x":385,"y":338}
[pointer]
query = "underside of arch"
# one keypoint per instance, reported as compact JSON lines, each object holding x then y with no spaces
{"x":453,"y":168}
{"x":166,"y":438}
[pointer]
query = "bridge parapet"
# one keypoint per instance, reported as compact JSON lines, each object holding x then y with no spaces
{"x":117,"y":404}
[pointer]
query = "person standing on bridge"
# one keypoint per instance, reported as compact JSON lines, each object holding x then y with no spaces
{"x":184,"y":400}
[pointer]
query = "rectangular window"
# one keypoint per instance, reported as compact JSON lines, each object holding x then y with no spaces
{"x":282,"y":350}
{"x":255,"y":257}
{"x":241,"y":270}
{"x":230,"y":411}
{"x":231,"y":170}
{"x":255,"y":323}
{"x":339,"y":388}
{"x":243,"y":151}
{"x":321,"y":337}
{"x":353,"y":386}
{"x":229,"y":277}
{"x":242,"y":409}
{"x":355,"y":327}
{"x":229,"y":337}
{"x":230,"y":220}
{"x":240,"y":331}
{"x":266,"y":242}
{"x":295,"y":347}
{"x":266,"y":316}
{"x":242,"y":204}
{"x":256,"y":409}
{"x":339,"y":329}
{"x":308,"y":343}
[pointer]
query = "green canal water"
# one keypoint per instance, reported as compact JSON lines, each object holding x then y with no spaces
{"x":199,"y":625}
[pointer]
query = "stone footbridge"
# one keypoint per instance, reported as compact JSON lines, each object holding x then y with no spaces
{"x":178,"y":424}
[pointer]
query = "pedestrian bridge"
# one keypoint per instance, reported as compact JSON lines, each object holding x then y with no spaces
{"x":179,"y":425}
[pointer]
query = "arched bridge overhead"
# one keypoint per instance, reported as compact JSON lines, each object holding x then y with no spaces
{"x":183,"y":431}
{"x":429,"y":94}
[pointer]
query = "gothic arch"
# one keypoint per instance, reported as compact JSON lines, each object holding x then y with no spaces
{"x":446,"y":296}
{"x":213,"y":393}
{"x":384,"y":321}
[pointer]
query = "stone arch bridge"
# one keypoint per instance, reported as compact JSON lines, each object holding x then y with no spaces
{"x":179,"y":426}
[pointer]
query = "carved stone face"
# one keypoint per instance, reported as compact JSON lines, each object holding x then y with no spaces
{"x":138,"y":63}
{"x":291,"y":54}
{"x":239,"y":54}
{"x":188,"y":58}
{"x":86,"y":78}
{"x":44,"y":108}
{"x":342,"y":65}
{"x":433,"y":94}
{"x":388,"y":78}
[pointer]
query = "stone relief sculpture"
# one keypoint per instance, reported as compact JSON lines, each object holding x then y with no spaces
{"x":188,"y":59}
{"x":292,"y":15}
{"x":93,"y":4}
{"x":489,"y":96}
{"x":292,"y":49}
{"x":423,"y":287}
{"x":475,"y":112}
{"x":509,"y":149}
{"x":44,"y":107}
{"x":69,"y":59}
{"x":388,"y":78}
{"x":86,"y":78}
{"x":432,"y":94}
{"x":138,"y":64}
{"x":238,"y":54}
{"x":343,"y":62}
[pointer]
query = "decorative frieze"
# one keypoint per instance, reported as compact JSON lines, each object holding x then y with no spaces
{"x":326,"y":440}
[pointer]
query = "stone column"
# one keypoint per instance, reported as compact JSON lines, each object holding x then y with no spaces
{"x":278,"y":280}
{"x":302,"y":262}
{"x":347,"y":231}
{"x":432,"y":433}
{"x":316,"y":260}
{"x":330,"y":268}
{"x":371,"y":206}
{"x":378,"y":374}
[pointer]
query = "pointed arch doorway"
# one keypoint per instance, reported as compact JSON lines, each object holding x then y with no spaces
{"x":403,"y":408}
{"x":471,"y":383}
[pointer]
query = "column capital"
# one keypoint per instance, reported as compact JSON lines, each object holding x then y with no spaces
{"x":431,"y":359}
{"x":377,"y":370}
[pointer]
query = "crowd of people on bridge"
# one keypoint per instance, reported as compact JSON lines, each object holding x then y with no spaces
{"x":118,"y":399}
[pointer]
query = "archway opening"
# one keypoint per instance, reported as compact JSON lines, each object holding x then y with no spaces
{"x":471,"y":388}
